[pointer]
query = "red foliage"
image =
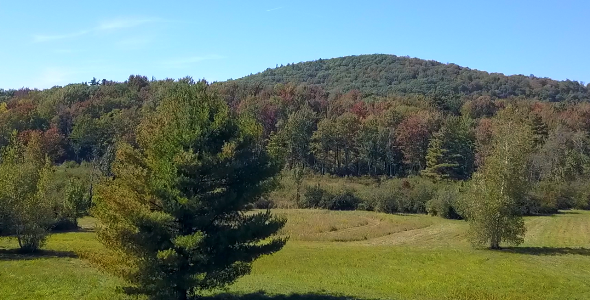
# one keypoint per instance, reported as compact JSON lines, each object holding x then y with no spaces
{"x":483,"y":135}
{"x":52,"y":142}
{"x":360,"y":110}
{"x":413,"y":135}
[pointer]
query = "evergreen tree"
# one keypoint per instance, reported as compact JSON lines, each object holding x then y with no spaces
{"x":499,"y":187}
{"x":540,"y":130}
{"x":437,"y":165}
{"x":173,"y":216}
{"x":450,"y":151}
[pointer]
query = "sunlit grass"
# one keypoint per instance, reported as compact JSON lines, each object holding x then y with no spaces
{"x":384,"y":257}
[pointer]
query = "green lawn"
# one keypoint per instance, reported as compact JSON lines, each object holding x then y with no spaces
{"x":355,"y":254}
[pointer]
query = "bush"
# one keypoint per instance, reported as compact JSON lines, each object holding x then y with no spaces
{"x":343,"y":200}
{"x":69,"y":192}
{"x":314,"y":197}
{"x":263,"y":203}
{"x":548,"y":197}
{"x":417,"y":192}
{"x":444,"y":203}
{"x":32,"y":237}
{"x":381,"y":198}
{"x":581,"y":195}
{"x":317,"y":197}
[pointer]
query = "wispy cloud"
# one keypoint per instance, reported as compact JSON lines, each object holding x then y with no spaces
{"x":187,"y":61}
{"x":134,"y":43}
{"x":276,"y":8}
{"x":109,"y":25}
{"x":61,"y":75}
{"x":47,"y":38}
{"x":124,"y":23}
{"x":53,"y":76}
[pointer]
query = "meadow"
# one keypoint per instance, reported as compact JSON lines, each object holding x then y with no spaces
{"x":347,"y":255}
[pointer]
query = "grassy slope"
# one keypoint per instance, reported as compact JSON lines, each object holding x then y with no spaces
{"x":384,"y":257}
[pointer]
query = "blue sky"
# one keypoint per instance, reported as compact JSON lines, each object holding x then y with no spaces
{"x":47,"y":43}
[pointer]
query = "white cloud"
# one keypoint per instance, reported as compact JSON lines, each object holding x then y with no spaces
{"x":133,"y":43}
{"x":109,"y":25}
{"x":53,"y":76}
{"x":124,"y":23}
{"x":276,"y":8}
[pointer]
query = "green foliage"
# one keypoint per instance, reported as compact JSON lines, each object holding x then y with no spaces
{"x":381,"y":74}
{"x":436,"y":159}
{"x":500,"y":185}
{"x":69,"y":192}
{"x":389,"y":196}
{"x":445,"y":203}
{"x":173,"y":217}
{"x":317,"y":197}
{"x":25,"y":211}
{"x":294,"y":138}
{"x":451,"y":152}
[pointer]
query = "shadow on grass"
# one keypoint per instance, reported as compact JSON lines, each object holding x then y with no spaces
{"x":80,"y":229}
{"x":547,"y":251}
{"x":567,"y":212}
{"x":263,"y":296}
{"x":16,"y":254}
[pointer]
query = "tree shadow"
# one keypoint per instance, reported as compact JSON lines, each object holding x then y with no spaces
{"x":261,"y":295}
{"x":567,"y":212}
{"x":17,"y":254}
{"x":79,"y":229}
{"x":547,"y":251}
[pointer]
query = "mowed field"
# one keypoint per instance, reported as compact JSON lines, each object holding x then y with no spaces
{"x":349,"y":255}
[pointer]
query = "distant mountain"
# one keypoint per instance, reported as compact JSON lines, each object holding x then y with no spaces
{"x":382,"y":75}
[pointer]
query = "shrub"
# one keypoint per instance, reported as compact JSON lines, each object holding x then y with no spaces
{"x":547,"y":197}
{"x":314,"y":197}
{"x":581,"y":195}
{"x":343,"y":200}
{"x":444,"y":203}
{"x":263,"y":203}
{"x":417,"y":193}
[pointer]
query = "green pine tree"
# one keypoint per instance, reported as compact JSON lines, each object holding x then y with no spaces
{"x":173,"y":216}
{"x":438,"y":161}
{"x":450,"y":152}
{"x":435,"y":165}
{"x":540,"y":130}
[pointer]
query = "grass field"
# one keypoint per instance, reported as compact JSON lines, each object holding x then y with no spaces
{"x":350,"y":255}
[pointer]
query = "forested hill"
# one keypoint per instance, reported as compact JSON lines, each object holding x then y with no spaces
{"x":383,"y":75}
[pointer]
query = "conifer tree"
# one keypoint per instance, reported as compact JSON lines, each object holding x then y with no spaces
{"x":540,"y":130}
{"x":437,"y":163}
{"x":173,"y":216}
{"x":451,"y":152}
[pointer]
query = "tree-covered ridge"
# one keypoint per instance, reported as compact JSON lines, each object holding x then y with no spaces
{"x":382,"y":75}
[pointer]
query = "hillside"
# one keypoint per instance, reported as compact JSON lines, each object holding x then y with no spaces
{"x":383,"y":75}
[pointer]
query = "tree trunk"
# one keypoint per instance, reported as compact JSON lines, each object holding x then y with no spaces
{"x":495,"y":242}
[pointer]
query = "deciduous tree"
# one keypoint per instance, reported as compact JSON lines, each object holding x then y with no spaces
{"x":499,"y":186}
